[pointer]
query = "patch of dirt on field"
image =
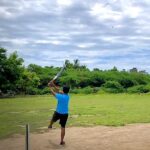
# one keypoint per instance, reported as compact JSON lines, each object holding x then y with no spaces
{"x":130,"y":137}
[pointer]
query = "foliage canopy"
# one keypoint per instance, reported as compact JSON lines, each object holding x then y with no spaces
{"x":33,"y":79}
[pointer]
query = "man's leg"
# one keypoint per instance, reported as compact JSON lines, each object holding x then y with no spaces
{"x":63,"y":121}
{"x":62,"y":136}
{"x":55,"y":117}
{"x":51,"y":123}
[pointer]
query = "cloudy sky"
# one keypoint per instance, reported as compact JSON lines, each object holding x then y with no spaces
{"x":100,"y":33}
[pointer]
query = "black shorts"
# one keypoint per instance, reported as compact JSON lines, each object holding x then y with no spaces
{"x":61,"y":117}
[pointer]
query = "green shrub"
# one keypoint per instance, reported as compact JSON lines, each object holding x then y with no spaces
{"x":96,"y":89}
{"x":139,"y":89}
{"x":112,"y":87}
{"x":127,"y":82}
{"x":35,"y":91}
{"x":46,"y":90}
{"x":32,"y":91}
{"x":86,"y":90}
{"x":74,"y":91}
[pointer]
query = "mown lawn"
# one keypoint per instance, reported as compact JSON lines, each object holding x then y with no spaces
{"x":85,"y":110}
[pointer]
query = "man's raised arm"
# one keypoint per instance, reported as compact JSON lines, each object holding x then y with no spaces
{"x":51,"y":89}
{"x":56,"y":89}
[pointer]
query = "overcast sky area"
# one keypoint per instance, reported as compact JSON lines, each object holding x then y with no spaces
{"x":100,"y":33}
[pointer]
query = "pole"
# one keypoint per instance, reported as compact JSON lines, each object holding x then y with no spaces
{"x":27,"y":137}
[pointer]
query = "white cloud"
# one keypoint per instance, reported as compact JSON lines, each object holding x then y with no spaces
{"x":55,"y":42}
{"x":85,"y":45}
{"x":64,"y":2}
{"x":129,"y":9}
{"x":103,"y":12}
{"x":15,"y":41}
{"x":99,"y":33}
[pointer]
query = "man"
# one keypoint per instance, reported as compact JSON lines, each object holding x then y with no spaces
{"x":61,"y":112}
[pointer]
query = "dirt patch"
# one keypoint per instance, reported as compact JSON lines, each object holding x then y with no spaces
{"x":130,"y":137}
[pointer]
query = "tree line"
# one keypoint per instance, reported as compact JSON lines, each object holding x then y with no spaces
{"x":15,"y":78}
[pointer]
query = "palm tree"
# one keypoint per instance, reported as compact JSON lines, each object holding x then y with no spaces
{"x":76,"y":63}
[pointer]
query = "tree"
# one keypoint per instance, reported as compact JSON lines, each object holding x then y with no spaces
{"x":96,"y":69}
{"x":143,"y":72}
{"x":134,"y":70}
{"x":34,"y":68}
{"x":114,"y":69}
{"x":76,"y":63}
{"x":68,"y":64}
{"x":28,"y":81}
{"x":3,"y":61}
{"x":11,"y":70}
{"x":34,"y":78}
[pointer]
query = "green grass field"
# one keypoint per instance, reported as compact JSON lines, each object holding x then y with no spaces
{"x":85,"y":110}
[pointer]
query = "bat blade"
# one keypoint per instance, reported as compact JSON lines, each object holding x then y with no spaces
{"x":60,"y":72}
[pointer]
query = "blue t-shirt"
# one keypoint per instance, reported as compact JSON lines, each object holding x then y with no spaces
{"x":62,"y":104}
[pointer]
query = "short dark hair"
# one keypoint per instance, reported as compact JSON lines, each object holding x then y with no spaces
{"x":66,"y":89}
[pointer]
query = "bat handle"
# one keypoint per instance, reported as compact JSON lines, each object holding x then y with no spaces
{"x":51,"y":83}
{"x":54,"y":78}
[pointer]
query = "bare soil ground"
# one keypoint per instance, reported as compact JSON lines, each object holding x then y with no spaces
{"x":130,"y":137}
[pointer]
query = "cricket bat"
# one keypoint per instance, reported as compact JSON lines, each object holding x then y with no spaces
{"x":60,"y":72}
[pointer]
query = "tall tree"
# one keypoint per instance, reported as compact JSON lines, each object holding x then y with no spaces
{"x":3,"y":61}
{"x":76,"y":63}
{"x":11,"y":70}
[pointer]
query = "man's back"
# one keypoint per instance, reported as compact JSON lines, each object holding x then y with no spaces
{"x":63,"y":102}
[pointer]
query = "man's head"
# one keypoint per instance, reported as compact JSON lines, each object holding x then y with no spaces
{"x":66,"y":89}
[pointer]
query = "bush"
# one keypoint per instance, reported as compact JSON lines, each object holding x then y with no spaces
{"x":74,"y":91}
{"x":96,"y":89}
{"x":86,"y":90}
{"x":126,"y":82}
{"x":46,"y":90}
{"x":139,"y":89}
{"x":112,"y":87}
{"x":32,"y":91}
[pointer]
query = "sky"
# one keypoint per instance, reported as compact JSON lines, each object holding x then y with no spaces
{"x":100,"y":33}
